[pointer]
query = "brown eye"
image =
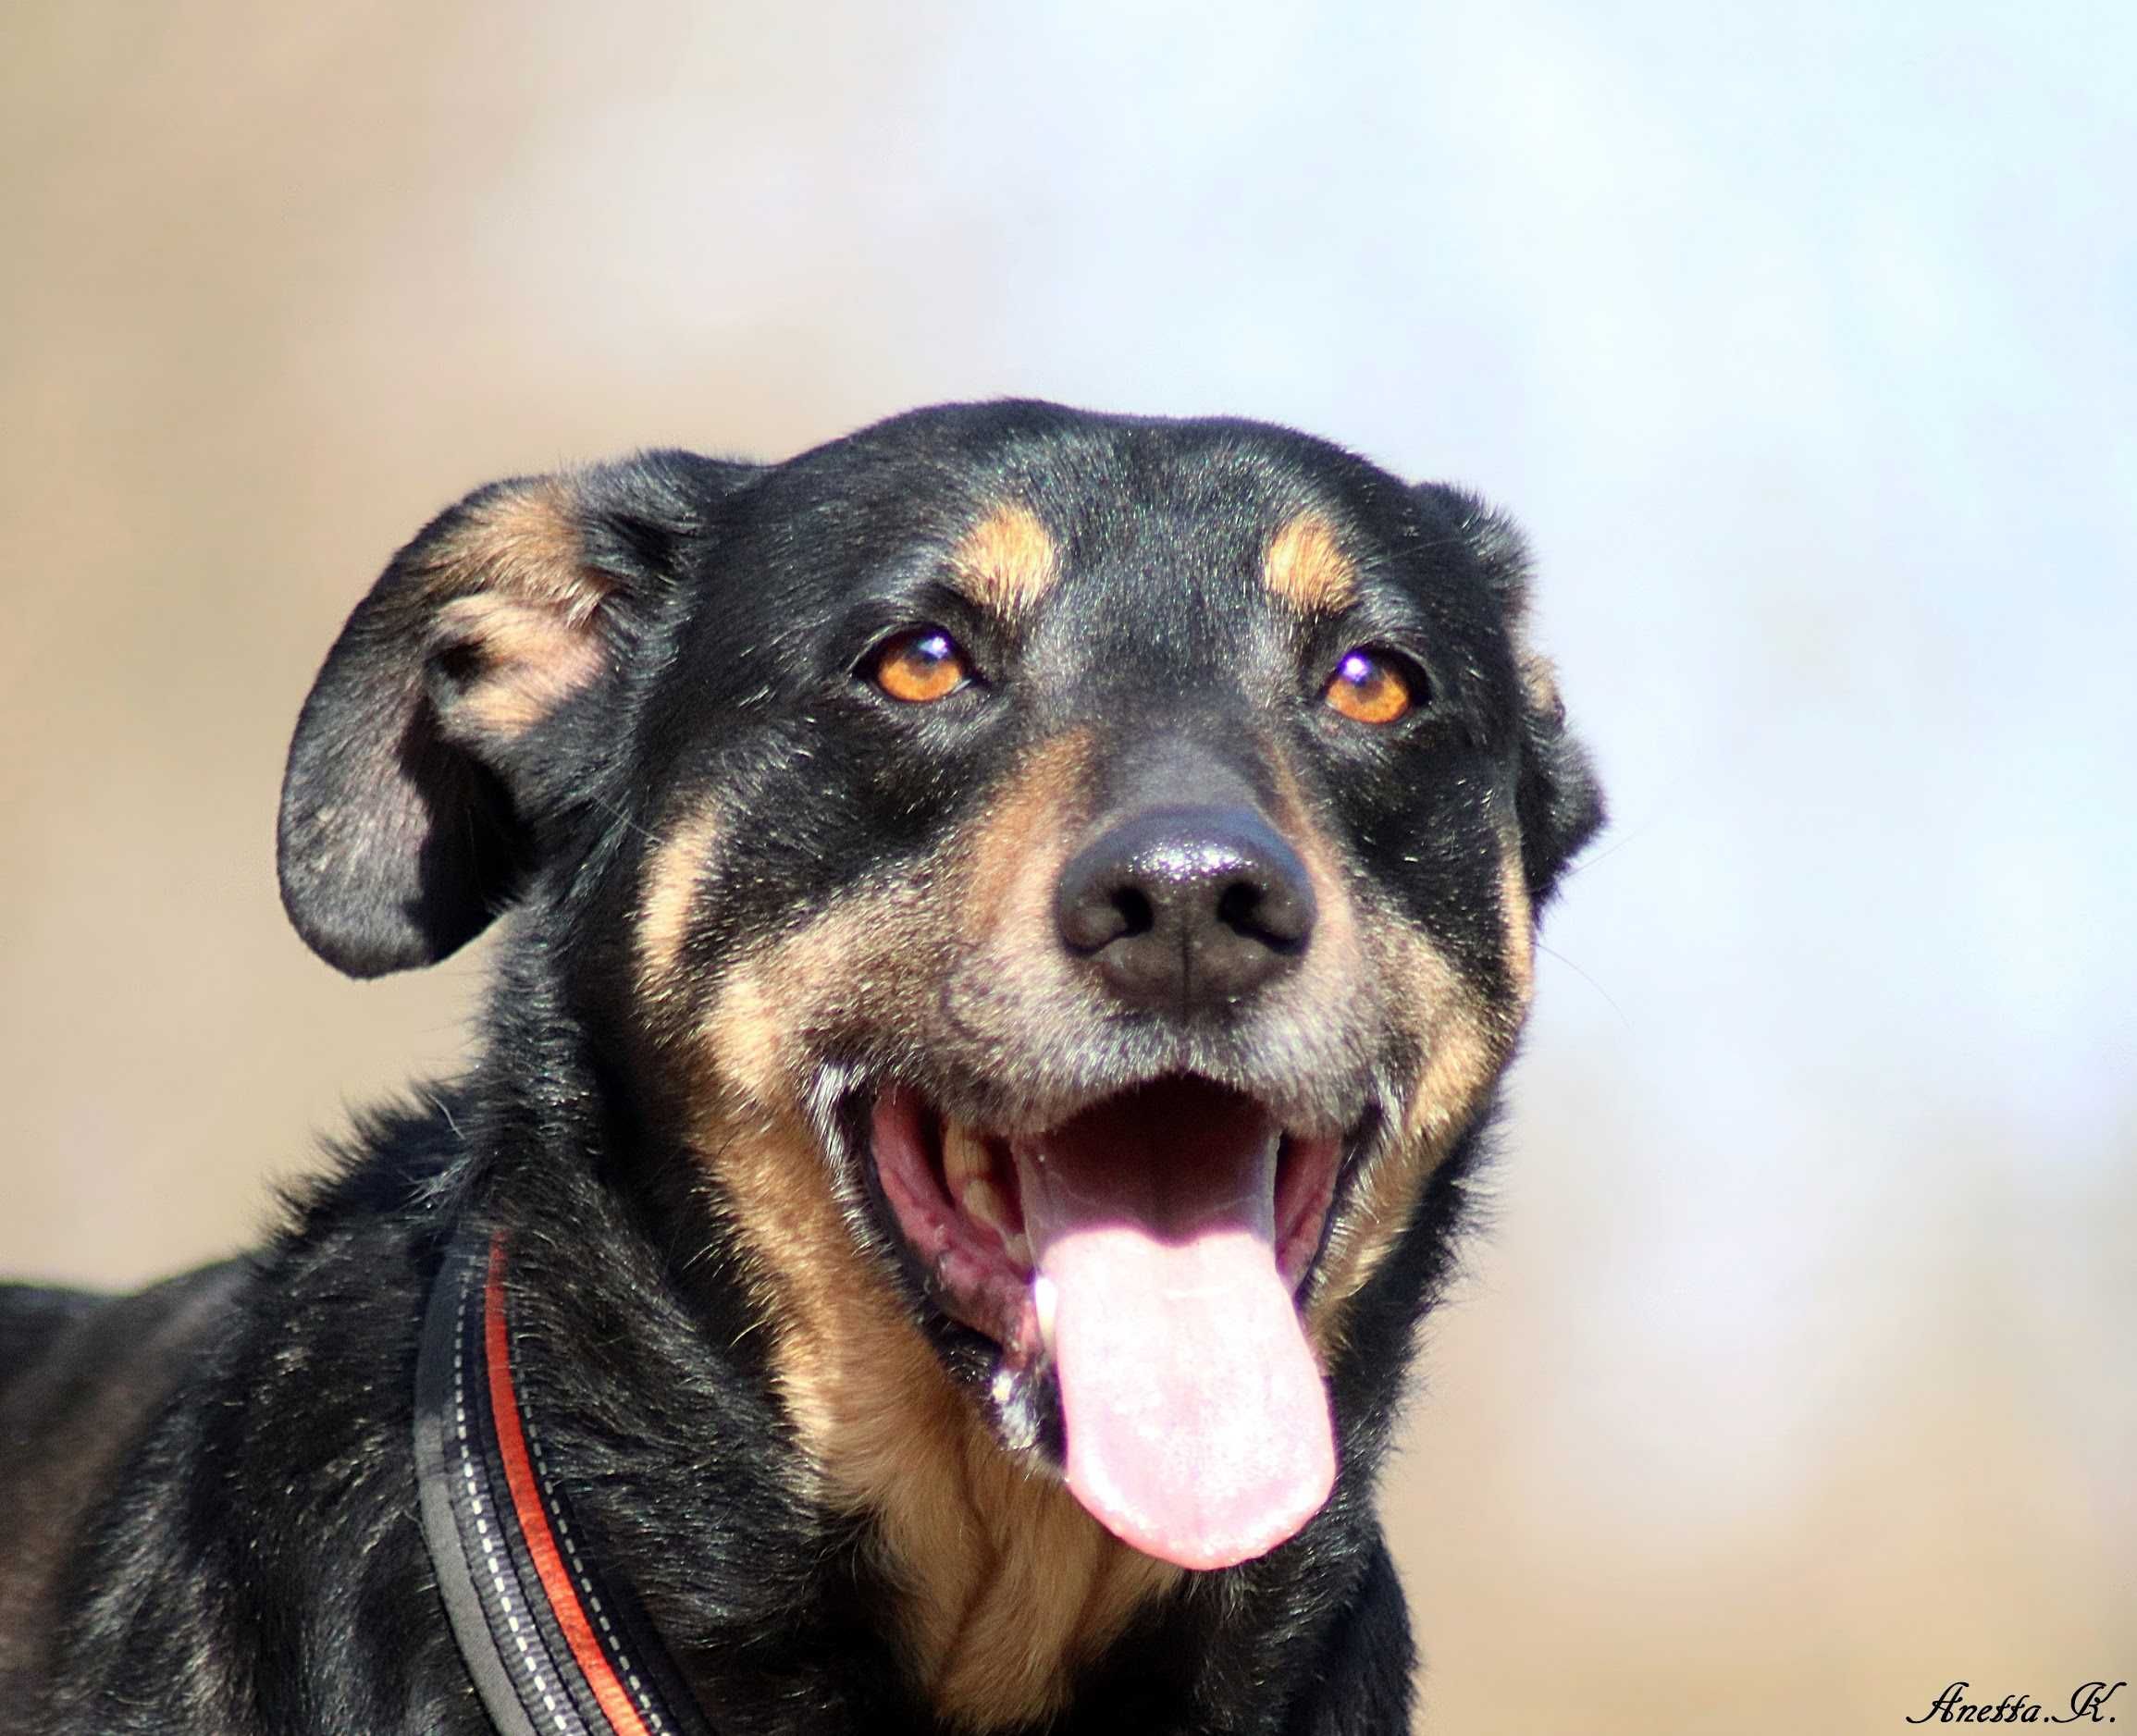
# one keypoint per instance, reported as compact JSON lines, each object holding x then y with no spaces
{"x":1371,"y":686}
{"x":920,"y":665}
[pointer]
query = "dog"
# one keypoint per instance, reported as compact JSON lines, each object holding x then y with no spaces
{"x":1020,"y":917}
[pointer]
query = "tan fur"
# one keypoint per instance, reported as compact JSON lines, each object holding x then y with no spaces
{"x":668,"y":896}
{"x":1007,"y":561}
{"x":522,"y":541}
{"x":1461,"y":1062}
{"x":1539,"y":683}
{"x":863,"y":950}
{"x":1335,"y":966}
{"x":533,"y":661}
{"x":1020,"y":846}
{"x":1009,"y":1584}
{"x":1307,"y":567}
{"x":511,"y":583}
{"x":1517,"y":912}
{"x":1466,"y":1041}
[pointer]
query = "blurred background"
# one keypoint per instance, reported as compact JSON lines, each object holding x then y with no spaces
{"x":1798,"y":1374}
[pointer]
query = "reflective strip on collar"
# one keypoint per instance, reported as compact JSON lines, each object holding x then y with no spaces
{"x":552,"y":1649}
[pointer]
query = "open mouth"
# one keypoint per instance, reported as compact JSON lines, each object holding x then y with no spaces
{"x":1151,"y":1249}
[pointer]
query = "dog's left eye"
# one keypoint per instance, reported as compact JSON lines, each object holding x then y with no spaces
{"x":1373,"y":686}
{"x":919,"y":666}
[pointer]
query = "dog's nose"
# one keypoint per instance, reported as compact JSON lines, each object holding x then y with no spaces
{"x":1185,"y":906}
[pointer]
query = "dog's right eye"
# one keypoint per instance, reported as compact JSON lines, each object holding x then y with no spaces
{"x":919,"y":666}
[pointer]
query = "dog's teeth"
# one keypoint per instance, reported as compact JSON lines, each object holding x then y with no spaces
{"x":1019,"y":1248}
{"x":964,"y":1154}
{"x":984,"y":1200}
{"x":1044,"y":1298}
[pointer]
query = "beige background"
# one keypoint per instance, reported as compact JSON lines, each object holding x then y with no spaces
{"x":1796,"y":1378}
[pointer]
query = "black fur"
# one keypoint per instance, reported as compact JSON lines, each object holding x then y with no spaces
{"x":207,"y":1508}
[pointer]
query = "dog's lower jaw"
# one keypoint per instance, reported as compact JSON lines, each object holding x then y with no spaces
{"x":1006,"y":1587}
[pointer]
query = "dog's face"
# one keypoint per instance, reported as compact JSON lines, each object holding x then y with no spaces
{"x":1067,"y":881}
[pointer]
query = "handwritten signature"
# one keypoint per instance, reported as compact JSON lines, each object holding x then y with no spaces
{"x":2088,"y":1706}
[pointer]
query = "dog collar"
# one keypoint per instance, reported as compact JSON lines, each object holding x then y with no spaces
{"x":553,"y":1650}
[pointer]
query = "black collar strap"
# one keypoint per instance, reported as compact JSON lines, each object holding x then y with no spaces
{"x":553,"y":1650}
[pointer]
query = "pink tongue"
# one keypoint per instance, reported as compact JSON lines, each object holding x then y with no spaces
{"x":1197,"y":1419}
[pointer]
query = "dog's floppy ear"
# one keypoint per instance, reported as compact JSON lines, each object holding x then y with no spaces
{"x":1559,"y":801}
{"x":470,"y":696}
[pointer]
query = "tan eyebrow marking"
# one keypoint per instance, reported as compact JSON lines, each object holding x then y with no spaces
{"x":1007,"y":561}
{"x":1306,"y":565}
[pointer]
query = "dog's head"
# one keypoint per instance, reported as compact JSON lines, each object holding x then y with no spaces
{"x":1069,"y":880}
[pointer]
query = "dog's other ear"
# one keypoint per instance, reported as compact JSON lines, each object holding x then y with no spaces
{"x":469,"y":697}
{"x":1558,"y":800}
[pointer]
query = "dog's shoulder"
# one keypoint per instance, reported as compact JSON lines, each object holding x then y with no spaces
{"x":219,"y":1456}
{"x":82,"y":1378}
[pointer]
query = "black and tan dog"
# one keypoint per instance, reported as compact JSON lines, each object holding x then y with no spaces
{"x":1022,"y":915}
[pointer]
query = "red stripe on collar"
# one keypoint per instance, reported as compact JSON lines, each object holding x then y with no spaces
{"x":526,"y":1500}
{"x":552,"y":1648}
